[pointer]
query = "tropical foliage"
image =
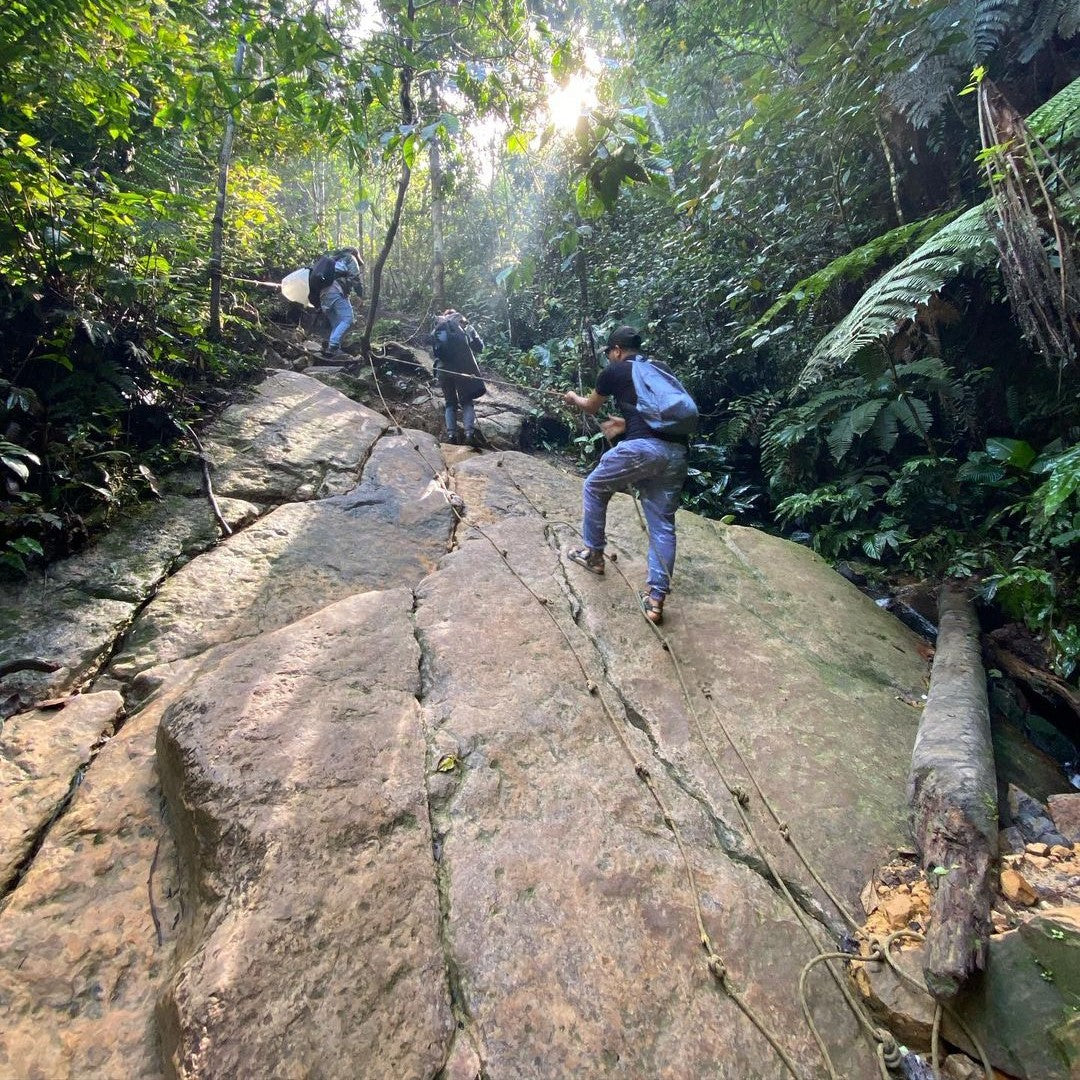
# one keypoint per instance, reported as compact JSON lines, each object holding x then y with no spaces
{"x":852,"y":229}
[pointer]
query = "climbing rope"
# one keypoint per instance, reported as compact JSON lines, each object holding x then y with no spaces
{"x":887,"y":1049}
{"x":940,"y":1008}
{"x":551,"y":392}
{"x":882,"y":1042}
{"x":887,"y":1053}
{"x":714,"y":962}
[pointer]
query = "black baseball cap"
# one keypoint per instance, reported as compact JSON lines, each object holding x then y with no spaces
{"x":624,"y":337}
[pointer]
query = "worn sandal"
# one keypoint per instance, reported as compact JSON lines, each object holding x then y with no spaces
{"x":651,"y":608}
{"x":593,"y":561}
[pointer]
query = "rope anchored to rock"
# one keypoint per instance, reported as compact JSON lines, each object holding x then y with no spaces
{"x":714,"y":963}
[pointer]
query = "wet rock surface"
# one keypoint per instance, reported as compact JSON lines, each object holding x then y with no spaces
{"x":404,"y":836}
{"x":301,"y":557}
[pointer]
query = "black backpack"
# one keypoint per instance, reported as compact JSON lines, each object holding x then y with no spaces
{"x":449,"y":337}
{"x":321,"y":274}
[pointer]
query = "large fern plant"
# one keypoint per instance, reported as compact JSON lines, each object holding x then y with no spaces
{"x":958,"y":34}
{"x":967,"y":243}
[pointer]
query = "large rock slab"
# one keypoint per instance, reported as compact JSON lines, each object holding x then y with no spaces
{"x":812,"y":681}
{"x":294,"y":768}
{"x":295,"y":439}
{"x":73,"y":615}
{"x":59,"y":624}
{"x":573,"y":935}
{"x":40,"y":755}
{"x":147,"y":544}
{"x":86,"y":938}
{"x":380,"y":842}
{"x":301,"y":557}
{"x":1022,"y":1008}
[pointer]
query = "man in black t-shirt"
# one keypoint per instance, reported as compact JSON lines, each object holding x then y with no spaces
{"x":652,"y":463}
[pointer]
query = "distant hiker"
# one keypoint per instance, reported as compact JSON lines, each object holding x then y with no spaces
{"x":658,"y":416}
{"x":455,"y":344}
{"x":332,"y":278}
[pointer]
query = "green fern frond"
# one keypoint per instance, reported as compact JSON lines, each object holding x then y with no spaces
{"x":915,"y":415}
{"x":922,"y":91}
{"x":886,"y":429}
{"x":901,"y":291}
{"x":855,"y":423}
{"x":954,"y":37}
{"x":980,"y":472}
{"x":931,"y":368}
{"x":966,"y":242}
{"x":854,"y":264}
{"x":1069,"y":26}
{"x":992,"y":20}
{"x":1059,"y":118}
{"x":1052,"y":17}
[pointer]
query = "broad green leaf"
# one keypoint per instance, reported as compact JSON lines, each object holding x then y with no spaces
{"x":1011,"y":451}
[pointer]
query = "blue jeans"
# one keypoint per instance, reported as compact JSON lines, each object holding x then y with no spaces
{"x":338,"y":310}
{"x":657,"y":469}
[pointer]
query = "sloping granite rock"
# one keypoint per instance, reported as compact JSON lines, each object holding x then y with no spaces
{"x":810,"y":679}
{"x":59,"y":624}
{"x":73,"y":616}
{"x":295,"y":439}
{"x":40,"y":752}
{"x":381,"y":840}
{"x":128,"y":561}
{"x":573,"y":937}
{"x":300,"y":558}
{"x":310,"y":944}
{"x":86,"y":938}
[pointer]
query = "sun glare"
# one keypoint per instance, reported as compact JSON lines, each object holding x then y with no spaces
{"x":567,"y":102}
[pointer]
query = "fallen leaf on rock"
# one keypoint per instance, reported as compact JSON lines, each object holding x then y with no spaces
{"x":868,"y":898}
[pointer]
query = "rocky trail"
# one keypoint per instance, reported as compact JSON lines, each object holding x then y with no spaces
{"x":380,"y":786}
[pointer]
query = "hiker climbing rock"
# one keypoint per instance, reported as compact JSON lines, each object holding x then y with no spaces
{"x":331,"y":280}
{"x":658,"y":416}
{"x":455,"y":344}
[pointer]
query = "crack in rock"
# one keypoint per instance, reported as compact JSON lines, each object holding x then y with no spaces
{"x":735,"y":846}
{"x":438,"y":818}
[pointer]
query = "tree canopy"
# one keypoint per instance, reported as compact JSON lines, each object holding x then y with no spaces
{"x":850,"y":227}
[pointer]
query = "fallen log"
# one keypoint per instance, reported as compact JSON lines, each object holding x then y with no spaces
{"x":952,"y":791}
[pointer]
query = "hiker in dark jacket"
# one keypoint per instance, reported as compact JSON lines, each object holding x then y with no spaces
{"x":654,"y":464}
{"x":340,"y":275}
{"x":455,"y":345}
